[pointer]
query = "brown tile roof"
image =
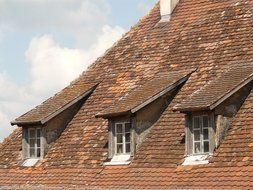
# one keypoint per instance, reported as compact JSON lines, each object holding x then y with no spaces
{"x":147,"y":93}
{"x":55,"y":105}
{"x":203,"y":34}
{"x":219,"y":89}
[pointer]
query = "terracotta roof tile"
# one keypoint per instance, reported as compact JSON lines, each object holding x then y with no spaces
{"x":47,"y":109}
{"x":217,"y":90}
{"x":146,"y":93}
{"x":203,"y":34}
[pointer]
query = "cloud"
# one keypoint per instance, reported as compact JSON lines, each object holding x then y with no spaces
{"x":14,"y":101}
{"x":78,"y":18}
{"x":52,"y":67}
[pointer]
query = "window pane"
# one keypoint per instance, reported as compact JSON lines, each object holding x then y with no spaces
{"x":197,"y":147}
{"x":205,"y":121}
{"x":128,"y":137}
{"x":127,"y":127}
{"x":196,"y":135}
{"x":119,"y":128}
{"x":38,"y":152}
{"x":38,"y":133}
{"x":206,"y":146}
{"x":119,"y":138}
{"x":127,"y":147}
{"x":38,"y":142}
{"x":206,"y":135}
{"x":119,"y":148}
{"x":196,"y":123}
{"x":32,"y":152}
{"x":32,"y":133}
{"x":32,"y":142}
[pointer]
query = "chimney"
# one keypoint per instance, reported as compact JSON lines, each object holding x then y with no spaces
{"x":166,"y":9}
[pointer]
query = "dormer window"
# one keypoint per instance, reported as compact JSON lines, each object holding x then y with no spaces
{"x":200,"y":134}
{"x":33,"y":146}
{"x":135,"y":113}
{"x":34,"y":141}
{"x":122,"y":138}
{"x":201,"y":140}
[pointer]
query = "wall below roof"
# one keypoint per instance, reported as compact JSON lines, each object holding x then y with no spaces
{"x":227,"y":111}
{"x":149,"y":115}
{"x":54,"y":128}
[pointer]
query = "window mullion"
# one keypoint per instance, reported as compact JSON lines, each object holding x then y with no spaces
{"x":124,"y":138}
{"x":115,"y":139}
{"x":201,"y":135}
{"x":35,"y":145}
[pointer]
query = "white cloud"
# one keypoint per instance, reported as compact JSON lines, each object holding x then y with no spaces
{"x":13,"y":102}
{"x":78,"y":18}
{"x":52,"y":67}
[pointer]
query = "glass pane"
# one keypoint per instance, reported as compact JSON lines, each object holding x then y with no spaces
{"x":205,"y":121}
{"x":119,"y":128}
{"x":32,"y":152}
{"x":38,"y":152}
{"x":128,"y":137}
{"x":197,"y":135}
{"x":32,"y":133}
{"x":32,"y":142}
{"x":119,"y":148}
{"x":38,"y":142}
{"x":38,"y":133}
{"x":206,"y":135}
{"x":197,"y":147}
{"x":206,"y":146}
{"x":127,"y":127}
{"x":127,"y":147}
{"x":196,"y":123}
{"x":119,"y":138}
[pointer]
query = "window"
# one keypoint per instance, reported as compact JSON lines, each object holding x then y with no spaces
{"x":34,"y":141}
{"x":122,"y":138}
{"x":201,"y":140}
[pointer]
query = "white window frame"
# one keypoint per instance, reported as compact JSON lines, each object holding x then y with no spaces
{"x":36,"y":147}
{"x":201,"y":129}
{"x":124,"y":138}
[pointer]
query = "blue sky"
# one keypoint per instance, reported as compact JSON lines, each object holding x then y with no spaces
{"x":45,"y":44}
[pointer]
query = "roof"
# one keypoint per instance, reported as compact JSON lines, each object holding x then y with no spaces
{"x":55,"y":105}
{"x":209,"y":35}
{"x":147,"y":93}
{"x":219,"y":89}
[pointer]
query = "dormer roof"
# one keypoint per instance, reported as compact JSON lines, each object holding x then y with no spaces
{"x":55,"y":105}
{"x":219,"y":89}
{"x":145,"y":94}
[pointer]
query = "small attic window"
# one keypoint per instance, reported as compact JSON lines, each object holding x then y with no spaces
{"x":34,"y":142}
{"x":32,"y":146}
{"x":120,"y":142}
{"x":200,"y":134}
{"x":122,"y":138}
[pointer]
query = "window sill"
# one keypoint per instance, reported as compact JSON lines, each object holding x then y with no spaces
{"x":119,"y":160}
{"x":30,"y":162}
{"x":196,"y":160}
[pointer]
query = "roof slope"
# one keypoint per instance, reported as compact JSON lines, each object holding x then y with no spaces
{"x":146,"y":93}
{"x":55,"y":105}
{"x":203,"y":34}
{"x":219,"y":89}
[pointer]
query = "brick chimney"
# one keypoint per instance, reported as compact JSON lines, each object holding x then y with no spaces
{"x":166,"y":9}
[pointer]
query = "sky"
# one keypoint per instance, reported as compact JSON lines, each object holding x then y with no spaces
{"x":45,"y":44}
